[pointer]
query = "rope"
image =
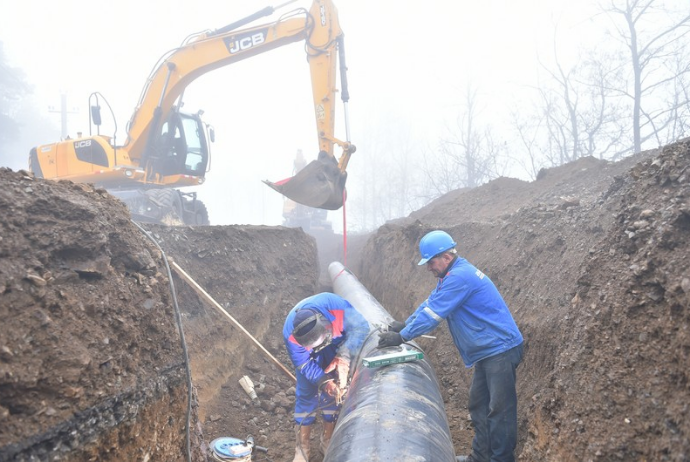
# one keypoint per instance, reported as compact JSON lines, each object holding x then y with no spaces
{"x":215,"y":304}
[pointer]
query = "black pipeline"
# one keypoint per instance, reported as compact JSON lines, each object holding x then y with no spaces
{"x":390,"y":413}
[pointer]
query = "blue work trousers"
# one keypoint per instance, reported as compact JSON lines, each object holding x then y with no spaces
{"x":493,"y":407}
{"x":308,"y":399}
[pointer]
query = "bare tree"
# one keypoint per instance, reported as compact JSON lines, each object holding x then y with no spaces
{"x":22,"y":124}
{"x":609,"y":103}
{"x":604,"y":128}
{"x":388,"y":187}
{"x":578,"y":114}
{"x":529,"y":152}
{"x":12,"y":89}
{"x":657,"y":39}
{"x":468,"y":157}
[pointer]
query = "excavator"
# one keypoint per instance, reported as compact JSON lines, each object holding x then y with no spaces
{"x":166,"y":148}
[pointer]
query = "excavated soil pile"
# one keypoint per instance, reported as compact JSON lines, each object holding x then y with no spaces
{"x":89,"y":351}
{"x":92,"y":365}
{"x":591,"y":258}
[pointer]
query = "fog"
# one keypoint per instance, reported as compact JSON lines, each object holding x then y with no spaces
{"x":409,"y":65}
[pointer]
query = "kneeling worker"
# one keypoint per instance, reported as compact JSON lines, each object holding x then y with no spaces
{"x":321,"y":333}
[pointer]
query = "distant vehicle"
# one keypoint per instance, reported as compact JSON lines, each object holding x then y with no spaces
{"x":167,"y":148}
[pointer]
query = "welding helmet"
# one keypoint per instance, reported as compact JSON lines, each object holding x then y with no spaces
{"x":434,"y":243}
{"x":312,"y":329}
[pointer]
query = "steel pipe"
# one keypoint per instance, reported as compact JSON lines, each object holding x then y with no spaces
{"x":393,"y":412}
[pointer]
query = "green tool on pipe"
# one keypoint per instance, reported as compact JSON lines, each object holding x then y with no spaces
{"x":386,"y":359}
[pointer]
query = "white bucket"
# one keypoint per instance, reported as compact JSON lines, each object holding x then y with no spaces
{"x":248,"y":386}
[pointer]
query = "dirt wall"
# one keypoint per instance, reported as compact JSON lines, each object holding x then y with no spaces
{"x":590,"y":260}
{"x":89,"y":349}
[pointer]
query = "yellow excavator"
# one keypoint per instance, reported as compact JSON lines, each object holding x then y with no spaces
{"x":167,"y":148}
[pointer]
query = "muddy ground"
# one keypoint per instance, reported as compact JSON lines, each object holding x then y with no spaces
{"x":592,"y":258}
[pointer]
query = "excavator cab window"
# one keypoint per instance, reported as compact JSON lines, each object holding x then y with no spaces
{"x":195,"y":155}
{"x":182,"y":146}
{"x":171,"y":150}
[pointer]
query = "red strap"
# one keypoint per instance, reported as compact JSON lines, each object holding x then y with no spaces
{"x":338,"y":323}
{"x":282,"y":182}
{"x":344,"y":230}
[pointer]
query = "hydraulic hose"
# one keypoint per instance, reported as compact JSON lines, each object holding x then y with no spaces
{"x":178,"y":320}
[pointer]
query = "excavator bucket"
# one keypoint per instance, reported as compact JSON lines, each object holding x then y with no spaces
{"x":320,"y":184}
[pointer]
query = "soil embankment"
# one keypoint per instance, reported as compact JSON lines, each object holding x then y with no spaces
{"x":592,"y":259}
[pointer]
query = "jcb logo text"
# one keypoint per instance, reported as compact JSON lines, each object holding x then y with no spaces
{"x":240,"y":43}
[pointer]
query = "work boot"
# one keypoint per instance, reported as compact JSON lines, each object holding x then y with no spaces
{"x":302,"y":433}
{"x":325,"y":439}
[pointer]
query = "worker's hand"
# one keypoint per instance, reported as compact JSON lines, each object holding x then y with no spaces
{"x":396,"y":326}
{"x":389,"y":338}
{"x":330,"y":388}
{"x":341,"y":367}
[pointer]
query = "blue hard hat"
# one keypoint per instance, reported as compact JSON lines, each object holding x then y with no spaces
{"x":434,"y":243}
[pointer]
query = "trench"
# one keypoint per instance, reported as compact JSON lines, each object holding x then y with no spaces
{"x":598,"y":295}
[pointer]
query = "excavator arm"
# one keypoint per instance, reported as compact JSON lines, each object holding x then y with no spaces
{"x":320,"y":184}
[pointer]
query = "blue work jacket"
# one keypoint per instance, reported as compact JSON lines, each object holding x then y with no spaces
{"x":478,"y":318}
{"x":350,"y":329}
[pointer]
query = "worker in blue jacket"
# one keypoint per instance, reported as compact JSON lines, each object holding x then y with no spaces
{"x":486,"y":335}
{"x":322,"y":333}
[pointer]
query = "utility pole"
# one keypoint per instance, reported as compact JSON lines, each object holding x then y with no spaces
{"x":63,"y":113}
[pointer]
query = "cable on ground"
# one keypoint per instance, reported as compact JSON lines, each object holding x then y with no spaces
{"x":178,"y":319}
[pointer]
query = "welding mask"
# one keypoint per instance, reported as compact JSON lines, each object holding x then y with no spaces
{"x":312,"y":329}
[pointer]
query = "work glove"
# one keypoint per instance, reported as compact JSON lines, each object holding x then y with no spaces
{"x":396,"y":326}
{"x":329,"y":387}
{"x":389,"y":338}
{"x":341,"y":366}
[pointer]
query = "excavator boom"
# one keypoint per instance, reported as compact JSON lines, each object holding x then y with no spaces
{"x":322,"y":183}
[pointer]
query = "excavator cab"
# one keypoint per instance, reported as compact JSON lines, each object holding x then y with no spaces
{"x":320,"y":184}
{"x":183,"y":146}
